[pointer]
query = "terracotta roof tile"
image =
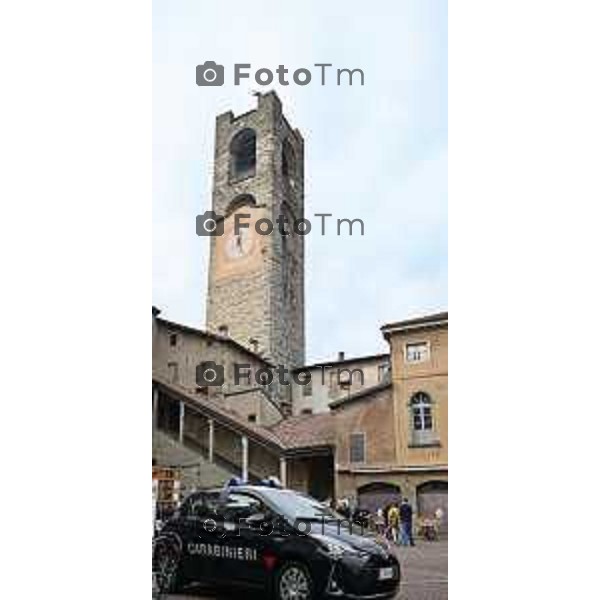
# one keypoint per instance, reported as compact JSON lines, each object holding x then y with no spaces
{"x":305,"y":431}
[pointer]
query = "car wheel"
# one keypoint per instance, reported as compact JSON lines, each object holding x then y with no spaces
{"x":293,"y":582}
{"x":167,"y":568}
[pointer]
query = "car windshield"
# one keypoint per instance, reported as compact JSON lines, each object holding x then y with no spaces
{"x":294,"y":506}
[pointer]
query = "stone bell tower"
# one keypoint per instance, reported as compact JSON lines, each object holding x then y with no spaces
{"x":256,"y":282}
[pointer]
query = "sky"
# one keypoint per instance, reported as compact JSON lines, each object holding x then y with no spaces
{"x":377,"y":152}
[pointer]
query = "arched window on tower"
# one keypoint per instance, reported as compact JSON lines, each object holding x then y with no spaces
{"x":422,"y":419}
{"x":243,"y":154}
{"x":239,"y":202}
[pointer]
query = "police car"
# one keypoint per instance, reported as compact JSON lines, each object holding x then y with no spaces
{"x":287,"y":543}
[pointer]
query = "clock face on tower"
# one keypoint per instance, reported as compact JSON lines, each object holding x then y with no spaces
{"x":238,"y":245}
{"x":238,"y":252}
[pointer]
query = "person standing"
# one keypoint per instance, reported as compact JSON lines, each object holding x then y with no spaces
{"x":394,"y":522}
{"x":380,"y":522}
{"x":439,"y":515}
{"x":406,"y":516}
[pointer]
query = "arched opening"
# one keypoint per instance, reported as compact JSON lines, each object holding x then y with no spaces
{"x":432,"y":502}
{"x":288,"y":161}
{"x":374,"y":496}
{"x":243,"y":154}
{"x":239,"y":202}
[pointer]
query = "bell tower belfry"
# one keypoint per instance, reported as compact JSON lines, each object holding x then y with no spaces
{"x":256,"y":281}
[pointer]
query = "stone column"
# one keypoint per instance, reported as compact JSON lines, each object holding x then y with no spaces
{"x":244,"y":458}
{"x":283,"y":471}
{"x":181,"y":421}
{"x":211,"y":440}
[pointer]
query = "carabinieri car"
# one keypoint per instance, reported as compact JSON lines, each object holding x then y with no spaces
{"x":288,"y":544}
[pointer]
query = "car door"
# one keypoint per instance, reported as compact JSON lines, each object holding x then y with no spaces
{"x":198,"y":535}
{"x":244,"y":558}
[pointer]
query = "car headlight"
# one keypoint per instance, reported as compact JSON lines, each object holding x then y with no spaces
{"x":335,"y":548}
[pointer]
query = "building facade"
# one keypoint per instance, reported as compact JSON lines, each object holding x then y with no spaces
{"x":392,"y":440}
{"x":335,"y":379}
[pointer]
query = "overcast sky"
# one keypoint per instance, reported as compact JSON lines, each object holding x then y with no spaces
{"x":376,"y":152}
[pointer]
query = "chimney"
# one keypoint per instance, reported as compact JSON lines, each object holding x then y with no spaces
{"x":341,"y":356}
{"x":223,"y":330}
{"x":254,"y":345}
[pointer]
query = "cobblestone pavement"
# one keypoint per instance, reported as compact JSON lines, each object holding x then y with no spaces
{"x":424,"y":569}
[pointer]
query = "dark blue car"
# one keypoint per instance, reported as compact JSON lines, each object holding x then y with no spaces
{"x":283,"y":542}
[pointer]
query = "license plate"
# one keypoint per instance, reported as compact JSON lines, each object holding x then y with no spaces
{"x":387,"y":573}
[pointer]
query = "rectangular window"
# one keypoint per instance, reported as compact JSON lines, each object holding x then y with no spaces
{"x":383,"y":373}
{"x":252,"y":418}
{"x":173,"y":372}
{"x":306,"y":411}
{"x":173,"y":339}
{"x":423,"y":420}
{"x":423,"y":433}
{"x":357,"y":447}
{"x":307,"y":389}
{"x":417,"y":352}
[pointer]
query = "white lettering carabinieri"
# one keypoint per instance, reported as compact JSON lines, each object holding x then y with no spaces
{"x":218,"y":551}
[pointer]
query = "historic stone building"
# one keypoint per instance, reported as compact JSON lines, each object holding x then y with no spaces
{"x":335,"y":379}
{"x":371,"y":428}
{"x":392,"y":439}
{"x":179,"y":351}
